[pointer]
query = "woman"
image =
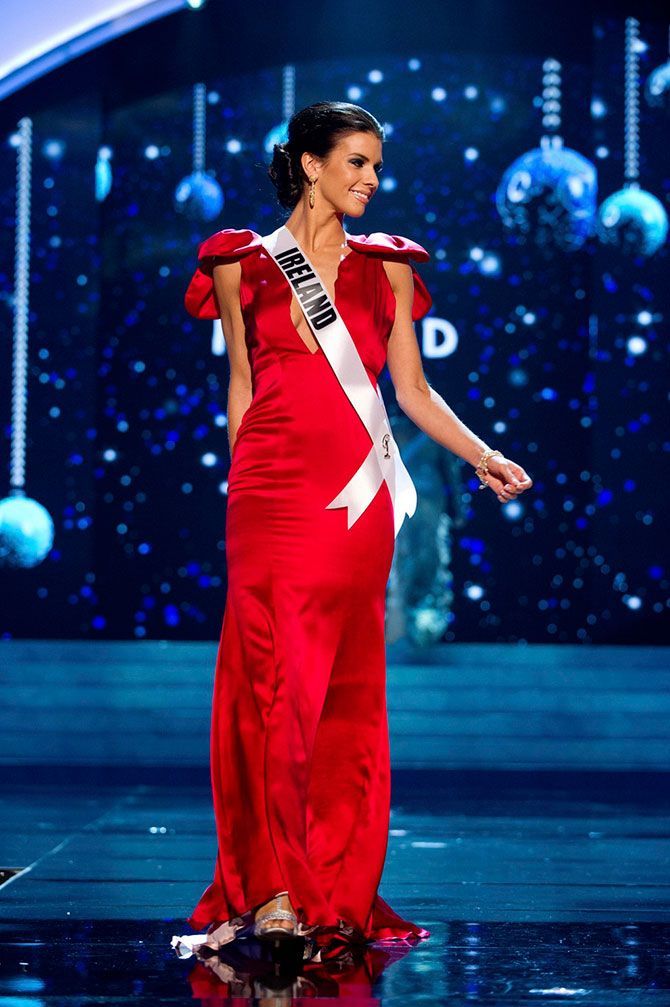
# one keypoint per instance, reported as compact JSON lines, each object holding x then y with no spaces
{"x":299,"y":744}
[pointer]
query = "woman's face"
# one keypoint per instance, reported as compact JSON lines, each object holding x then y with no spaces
{"x":347,"y":178}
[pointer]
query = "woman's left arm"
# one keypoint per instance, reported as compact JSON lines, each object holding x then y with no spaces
{"x":425,"y":407}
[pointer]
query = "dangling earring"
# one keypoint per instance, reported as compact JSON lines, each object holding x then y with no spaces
{"x":312,"y":187}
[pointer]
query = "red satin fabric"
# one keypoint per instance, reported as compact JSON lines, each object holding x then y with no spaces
{"x":299,"y":744}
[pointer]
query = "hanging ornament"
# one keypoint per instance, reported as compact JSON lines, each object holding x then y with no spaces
{"x":26,"y":528}
{"x":199,"y":195}
{"x":279,"y":133}
{"x":550,"y":192}
{"x":657,"y":88}
{"x":632,"y":219}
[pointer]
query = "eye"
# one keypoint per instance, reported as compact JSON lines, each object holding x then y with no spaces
{"x":359,"y":164}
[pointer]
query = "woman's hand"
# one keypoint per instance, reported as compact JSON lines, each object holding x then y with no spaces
{"x":506,"y":478}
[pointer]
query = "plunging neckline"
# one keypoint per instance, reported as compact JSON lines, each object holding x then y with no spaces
{"x":291,"y":295}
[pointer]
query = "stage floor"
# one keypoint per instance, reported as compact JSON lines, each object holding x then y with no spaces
{"x":536,"y":886}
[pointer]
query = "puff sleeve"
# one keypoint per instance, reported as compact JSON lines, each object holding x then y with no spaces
{"x":228,"y":245}
{"x":394,"y":246}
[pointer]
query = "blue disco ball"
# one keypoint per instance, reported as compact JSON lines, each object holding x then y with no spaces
{"x":657,"y":88}
{"x":278,"y":134}
{"x":26,"y":531}
{"x":633,"y":220}
{"x":549,"y":194}
{"x":199,"y":197}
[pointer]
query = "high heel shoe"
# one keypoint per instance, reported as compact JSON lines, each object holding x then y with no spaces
{"x":271,"y":913}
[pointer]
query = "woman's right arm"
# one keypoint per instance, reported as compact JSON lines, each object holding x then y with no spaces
{"x":226,"y":277}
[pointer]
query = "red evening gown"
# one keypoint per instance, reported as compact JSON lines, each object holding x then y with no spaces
{"x":300,"y":763}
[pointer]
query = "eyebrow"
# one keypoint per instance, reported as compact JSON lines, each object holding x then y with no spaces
{"x":379,"y":164}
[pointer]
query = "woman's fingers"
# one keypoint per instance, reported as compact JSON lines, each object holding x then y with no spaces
{"x":513,"y":477}
{"x":498,"y":487}
{"x":507,"y":479}
{"x":521,"y":476}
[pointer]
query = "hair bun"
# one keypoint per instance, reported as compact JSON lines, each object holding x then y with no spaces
{"x":283,"y":176}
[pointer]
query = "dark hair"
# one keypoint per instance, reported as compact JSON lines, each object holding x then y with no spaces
{"x":315,"y":129}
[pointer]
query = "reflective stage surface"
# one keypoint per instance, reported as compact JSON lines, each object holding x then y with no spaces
{"x":536,"y":887}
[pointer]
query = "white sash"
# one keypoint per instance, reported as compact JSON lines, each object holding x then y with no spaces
{"x":383,"y":460}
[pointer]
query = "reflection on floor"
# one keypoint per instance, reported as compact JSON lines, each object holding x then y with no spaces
{"x":535,"y":887}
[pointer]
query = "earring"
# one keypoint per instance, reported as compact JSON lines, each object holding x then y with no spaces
{"x":312,"y":187}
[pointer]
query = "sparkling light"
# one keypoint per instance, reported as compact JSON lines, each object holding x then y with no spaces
{"x":490,"y":265}
{"x":53,"y":149}
{"x":513,"y":510}
{"x":632,"y":601}
{"x":636,"y":345}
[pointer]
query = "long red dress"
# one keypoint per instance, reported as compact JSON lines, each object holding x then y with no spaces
{"x":300,"y":763}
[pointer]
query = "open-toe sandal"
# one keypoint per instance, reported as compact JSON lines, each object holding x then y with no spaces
{"x":271,"y":912}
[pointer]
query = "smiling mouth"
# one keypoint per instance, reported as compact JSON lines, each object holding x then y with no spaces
{"x":361,"y":196}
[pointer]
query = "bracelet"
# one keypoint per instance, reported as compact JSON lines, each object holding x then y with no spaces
{"x":483,"y":464}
